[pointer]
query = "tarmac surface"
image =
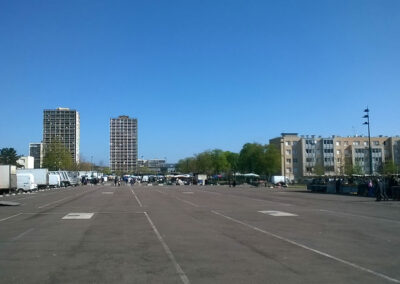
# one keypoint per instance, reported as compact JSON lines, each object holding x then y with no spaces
{"x":192,"y":234}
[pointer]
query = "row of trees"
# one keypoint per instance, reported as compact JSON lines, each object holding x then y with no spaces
{"x":254,"y":158}
{"x":57,"y":157}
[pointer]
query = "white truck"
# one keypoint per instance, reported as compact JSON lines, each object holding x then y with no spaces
{"x":54,"y":180}
{"x":278,"y":179}
{"x":41,"y":176}
{"x":26,"y":183}
{"x":8,"y":178}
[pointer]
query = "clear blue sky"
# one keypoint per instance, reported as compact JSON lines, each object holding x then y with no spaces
{"x":199,"y":74}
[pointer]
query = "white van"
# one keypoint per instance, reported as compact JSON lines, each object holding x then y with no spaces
{"x":54,"y":180}
{"x":26,"y":183}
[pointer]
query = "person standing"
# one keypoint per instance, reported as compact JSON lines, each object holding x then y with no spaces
{"x":384,"y":193}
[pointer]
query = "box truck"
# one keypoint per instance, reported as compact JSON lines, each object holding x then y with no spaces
{"x":8,"y":178}
{"x":41,"y":176}
{"x":26,"y":183}
{"x":54,"y":180}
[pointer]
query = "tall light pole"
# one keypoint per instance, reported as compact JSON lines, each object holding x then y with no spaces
{"x":371,"y":171}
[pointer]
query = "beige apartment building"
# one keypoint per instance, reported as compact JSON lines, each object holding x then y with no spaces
{"x":307,"y":155}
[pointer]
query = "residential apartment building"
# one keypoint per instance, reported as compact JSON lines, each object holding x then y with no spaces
{"x":154,"y":165}
{"x":62,"y":125}
{"x":37,"y":152}
{"x":123,"y":144}
{"x":308,"y":155}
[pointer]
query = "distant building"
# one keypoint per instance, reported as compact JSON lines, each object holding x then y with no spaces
{"x":26,"y":162}
{"x":36,"y":151}
{"x":305,"y":155}
{"x":154,"y":165}
{"x":123,"y":144}
{"x":62,"y":125}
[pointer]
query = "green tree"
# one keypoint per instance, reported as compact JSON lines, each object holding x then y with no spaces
{"x":389,"y":167}
{"x":251,"y":158}
{"x":272,"y":160}
{"x":219,"y":162}
{"x":319,"y":170}
{"x":233,"y":160}
{"x":8,"y":156}
{"x":204,"y":163}
{"x":57,"y":157}
{"x":357,"y":170}
{"x":187,"y":165}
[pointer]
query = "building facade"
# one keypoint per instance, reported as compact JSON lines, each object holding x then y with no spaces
{"x":62,"y":125}
{"x":123,"y":144}
{"x":36,"y":151}
{"x":308,"y":155}
{"x":26,"y":162}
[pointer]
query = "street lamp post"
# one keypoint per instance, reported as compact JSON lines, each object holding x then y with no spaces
{"x":371,"y":171}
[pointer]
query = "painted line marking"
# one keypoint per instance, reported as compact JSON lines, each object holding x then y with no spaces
{"x":22,"y":234}
{"x":278,"y":213}
{"x":78,"y":194}
{"x":10,"y":217}
{"x":107,"y":192}
{"x":359,"y":216}
{"x":310,"y":249}
{"x":188,"y":202}
{"x":78,"y":216}
{"x":212,"y":192}
{"x":137,"y":199}
{"x":178,"y":268}
{"x":45,"y":205}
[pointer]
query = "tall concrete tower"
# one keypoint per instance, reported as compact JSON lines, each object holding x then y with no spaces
{"x":62,"y":125}
{"x":123,"y":144}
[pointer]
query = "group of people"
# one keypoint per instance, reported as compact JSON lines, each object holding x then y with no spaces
{"x":385,"y":188}
{"x":130,"y":180}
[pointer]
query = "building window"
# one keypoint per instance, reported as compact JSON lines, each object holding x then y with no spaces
{"x":356,"y":143}
{"x":288,"y":161}
{"x":337,"y":143}
{"x":294,"y":160}
{"x":346,"y":143}
{"x":288,"y":143}
{"x":376,"y":143}
{"x":365,"y":143}
{"x":338,"y":152}
{"x":288,"y":152}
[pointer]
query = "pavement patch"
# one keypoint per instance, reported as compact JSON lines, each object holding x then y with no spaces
{"x":278,"y":213}
{"x":78,"y":216}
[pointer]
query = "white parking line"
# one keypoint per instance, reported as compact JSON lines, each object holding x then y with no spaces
{"x":78,"y":216}
{"x":22,"y":234}
{"x":10,"y":217}
{"x":358,"y":216}
{"x":178,"y":268}
{"x":45,"y":205}
{"x":278,"y":213}
{"x":188,"y":202}
{"x":310,"y":249}
{"x":75,"y":195}
{"x":137,"y":199}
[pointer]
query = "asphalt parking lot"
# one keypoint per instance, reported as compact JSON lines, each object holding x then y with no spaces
{"x":191,"y":234}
